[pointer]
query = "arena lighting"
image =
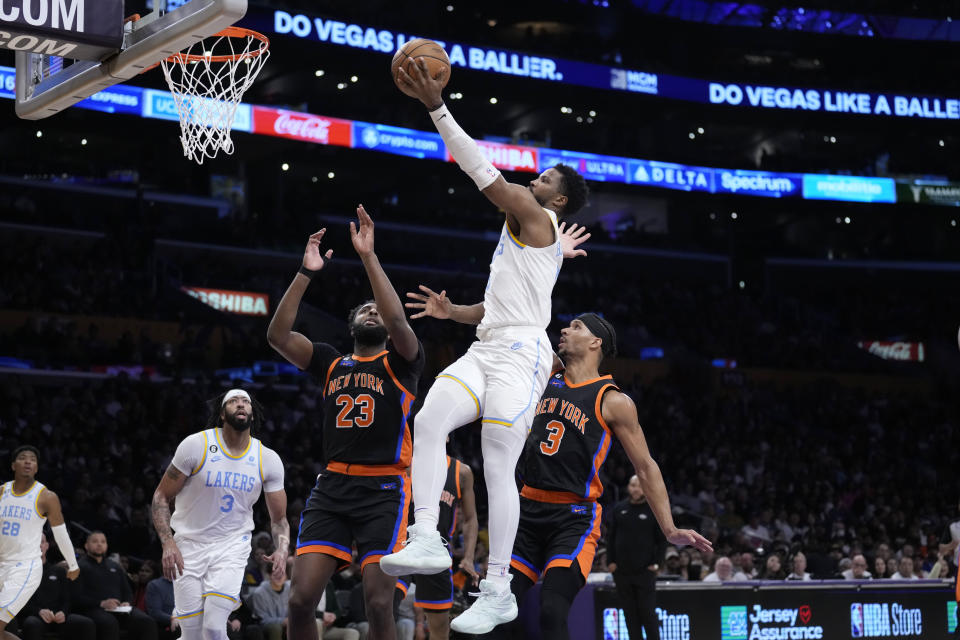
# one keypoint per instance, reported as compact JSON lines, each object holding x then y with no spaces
{"x":593,"y":114}
{"x":39,"y":134}
{"x":354,"y":78}
{"x":733,"y":215}
{"x":331,"y":175}
{"x":700,"y":130}
{"x":318,"y":73}
{"x":493,"y":101}
{"x":691,"y":135}
{"x":341,"y":85}
{"x":83,"y":142}
{"x":313,"y":179}
{"x":285,"y":166}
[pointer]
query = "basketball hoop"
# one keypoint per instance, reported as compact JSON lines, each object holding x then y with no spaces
{"x":208,"y":80}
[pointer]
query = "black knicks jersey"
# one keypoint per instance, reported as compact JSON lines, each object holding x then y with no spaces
{"x":569,"y":440}
{"x":366,"y":405}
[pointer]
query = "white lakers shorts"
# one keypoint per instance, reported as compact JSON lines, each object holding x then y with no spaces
{"x":18,"y":580}
{"x":505,"y":372}
{"x":210,"y":570}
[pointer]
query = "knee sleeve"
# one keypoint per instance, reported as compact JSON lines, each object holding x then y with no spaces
{"x":449,"y":404}
{"x":502,"y":447}
{"x":560,"y":587}
{"x":190,"y":628}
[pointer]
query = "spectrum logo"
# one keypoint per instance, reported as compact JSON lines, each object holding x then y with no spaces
{"x":737,"y":623}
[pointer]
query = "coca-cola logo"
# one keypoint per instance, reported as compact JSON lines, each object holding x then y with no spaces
{"x":899,"y":350}
{"x":307,"y":128}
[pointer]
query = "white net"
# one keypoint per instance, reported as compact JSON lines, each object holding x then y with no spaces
{"x":208,"y":81}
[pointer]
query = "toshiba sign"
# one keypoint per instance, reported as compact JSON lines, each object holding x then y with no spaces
{"x":241,"y":302}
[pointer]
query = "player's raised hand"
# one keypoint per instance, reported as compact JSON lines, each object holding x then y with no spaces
{"x":171,"y":561}
{"x":361,"y":233}
{"x":572,"y":238}
{"x":279,"y":559}
{"x":431,"y":303}
{"x":312,"y":259}
{"x":419,"y":84}
{"x":689,"y":537}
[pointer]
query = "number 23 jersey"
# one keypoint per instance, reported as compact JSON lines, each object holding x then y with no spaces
{"x":221,"y":488}
{"x":569,"y":439}
{"x":366,"y":405}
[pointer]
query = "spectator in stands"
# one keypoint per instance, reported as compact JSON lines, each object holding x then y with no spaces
{"x":270,"y":602}
{"x":329,"y":613}
{"x":799,"y":563}
{"x":755,"y":532}
{"x":48,"y":610}
{"x":773,"y":568}
{"x":140,"y":580}
{"x":102,"y":593}
{"x":879,"y":568}
{"x":905,"y":570}
{"x":671,"y":562}
{"x":858,"y":569}
{"x":747,"y":569}
{"x":722,"y":571}
{"x":159,"y":601}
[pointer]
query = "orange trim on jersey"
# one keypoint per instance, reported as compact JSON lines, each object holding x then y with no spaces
{"x":552,"y":497}
{"x":434,"y":606}
{"x":326,"y":380}
{"x":366,"y":358}
{"x":589,"y":550}
{"x":585,"y":382}
{"x":457,"y":476}
{"x":20,"y":495}
{"x":558,"y":562}
{"x":596,"y":486}
{"x":339,"y":554}
{"x":410,"y":396}
{"x":525,"y":570}
{"x":366,"y":469}
{"x":373,"y":558}
{"x":402,"y":588}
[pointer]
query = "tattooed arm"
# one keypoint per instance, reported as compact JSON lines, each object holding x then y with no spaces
{"x":170,"y":485}
{"x":280,"y":528}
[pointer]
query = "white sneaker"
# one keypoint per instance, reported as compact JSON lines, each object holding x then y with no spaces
{"x":423,"y":552}
{"x":493,"y":607}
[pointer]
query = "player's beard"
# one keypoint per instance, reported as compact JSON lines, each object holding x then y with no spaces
{"x":369,"y":336}
{"x":235,"y":422}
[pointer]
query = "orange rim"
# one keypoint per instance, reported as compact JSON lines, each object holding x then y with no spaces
{"x":229,"y":32}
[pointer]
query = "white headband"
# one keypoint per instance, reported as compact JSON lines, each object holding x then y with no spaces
{"x":233,"y":393}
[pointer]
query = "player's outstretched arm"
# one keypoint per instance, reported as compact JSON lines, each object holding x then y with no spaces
{"x":438,"y":305}
{"x":620,"y":413}
{"x":388,"y":302}
{"x":170,"y":485}
{"x":516,"y":200}
{"x":49,"y":504}
{"x":296,"y":347}
{"x":471,"y":525}
{"x":280,"y":528}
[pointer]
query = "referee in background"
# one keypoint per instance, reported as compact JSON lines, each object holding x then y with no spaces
{"x":635,"y":546}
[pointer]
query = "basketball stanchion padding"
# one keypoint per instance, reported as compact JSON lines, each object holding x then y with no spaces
{"x":208,"y":81}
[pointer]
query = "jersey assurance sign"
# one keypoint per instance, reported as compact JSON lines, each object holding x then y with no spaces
{"x":79,"y":29}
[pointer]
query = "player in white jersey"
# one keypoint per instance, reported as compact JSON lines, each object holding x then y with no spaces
{"x":215,"y":478}
{"x":503,"y":374}
{"x":25,"y":506}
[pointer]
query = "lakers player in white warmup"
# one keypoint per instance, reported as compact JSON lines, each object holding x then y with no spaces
{"x":25,"y":506}
{"x":216,"y":477}
{"x":503,"y":374}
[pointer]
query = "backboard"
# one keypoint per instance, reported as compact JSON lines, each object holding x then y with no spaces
{"x":47,"y":84}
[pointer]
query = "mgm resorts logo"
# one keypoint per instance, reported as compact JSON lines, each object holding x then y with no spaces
{"x":759,"y":623}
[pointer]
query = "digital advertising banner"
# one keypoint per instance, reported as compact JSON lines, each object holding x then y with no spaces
{"x":789,"y":611}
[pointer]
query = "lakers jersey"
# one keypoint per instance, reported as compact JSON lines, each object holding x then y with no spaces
{"x":521,"y":281}
{"x":20,"y":523}
{"x":569,"y":440}
{"x":366,"y":403}
{"x":217,"y":499}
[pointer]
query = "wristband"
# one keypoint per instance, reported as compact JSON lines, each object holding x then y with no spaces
{"x":308,"y":272}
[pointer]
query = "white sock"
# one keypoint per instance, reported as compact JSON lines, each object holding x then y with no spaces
{"x":190,"y":628}
{"x":447,"y":406}
{"x":502,"y":447}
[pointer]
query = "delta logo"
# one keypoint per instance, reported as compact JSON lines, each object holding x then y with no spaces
{"x":739,"y":622}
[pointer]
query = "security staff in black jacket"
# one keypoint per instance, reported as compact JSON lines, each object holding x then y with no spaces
{"x":48,"y":610}
{"x":635,"y":547}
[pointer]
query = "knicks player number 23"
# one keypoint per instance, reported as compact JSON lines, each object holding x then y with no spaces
{"x":364,"y":406}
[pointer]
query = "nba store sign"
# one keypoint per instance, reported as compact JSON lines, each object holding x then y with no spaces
{"x":239,"y":302}
{"x":760,"y":623}
{"x":884,"y":620}
{"x":673,"y":626}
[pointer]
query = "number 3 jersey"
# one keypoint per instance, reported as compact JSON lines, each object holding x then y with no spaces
{"x":569,"y":440}
{"x":217,"y":499}
{"x":366,"y":405}
{"x":20,"y":523}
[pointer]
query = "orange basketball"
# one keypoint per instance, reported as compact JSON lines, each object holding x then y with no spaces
{"x":431,"y":52}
